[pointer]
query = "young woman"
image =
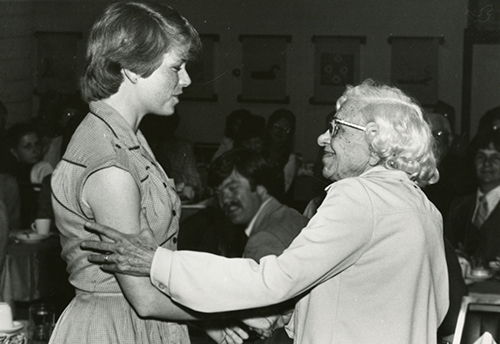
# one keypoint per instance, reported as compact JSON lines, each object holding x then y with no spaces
{"x":136,"y":64}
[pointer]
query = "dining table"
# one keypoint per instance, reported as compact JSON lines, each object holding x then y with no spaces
{"x":489,"y":287}
{"x":33,"y":268}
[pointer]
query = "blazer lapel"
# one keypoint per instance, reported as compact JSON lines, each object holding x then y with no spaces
{"x":271,"y":206}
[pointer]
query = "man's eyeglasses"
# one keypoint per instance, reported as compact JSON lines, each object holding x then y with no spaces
{"x":283,"y":128}
{"x":334,"y":126}
{"x":482,"y":158}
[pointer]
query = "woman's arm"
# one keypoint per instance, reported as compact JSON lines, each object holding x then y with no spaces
{"x":114,"y":197}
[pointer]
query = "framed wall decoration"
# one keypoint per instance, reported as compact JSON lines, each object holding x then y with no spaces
{"x":336,"y":64}
{"x":414,"y":67}
{"x":202,"y":73}
{"x":264,"y":69}
{"x":481,"y":77}
{"x":57,"y":61}
{"x":484,"y":14}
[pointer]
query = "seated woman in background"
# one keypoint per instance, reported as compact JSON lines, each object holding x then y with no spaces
{"x":235,"y":121}
{"x":58,"y":117}
{"x":252,"y":134}
{"x":278,"y":152}
{"x":177,"y":158}
{"x":25,"y":164}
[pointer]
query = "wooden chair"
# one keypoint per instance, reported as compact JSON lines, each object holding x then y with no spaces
{"x":478,"y":314}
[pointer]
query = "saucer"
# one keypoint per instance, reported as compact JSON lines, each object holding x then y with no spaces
{"x":17,"y":326}
{"x":478,"y":278}
{"x":31,"y":237}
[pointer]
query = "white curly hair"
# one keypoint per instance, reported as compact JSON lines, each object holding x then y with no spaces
{"x":404,"y":139}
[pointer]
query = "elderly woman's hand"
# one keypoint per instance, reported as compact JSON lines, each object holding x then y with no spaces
{"x":228,"y":335}
{"x":126,"y":254}
{"x":264,"y":326}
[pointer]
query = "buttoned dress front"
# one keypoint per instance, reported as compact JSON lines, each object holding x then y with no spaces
{"x":99,"y":313}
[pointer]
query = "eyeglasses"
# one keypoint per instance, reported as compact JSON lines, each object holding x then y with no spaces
{"x":482,"y":158}
{"x":280,"y":127}
{"x":334,"y":126}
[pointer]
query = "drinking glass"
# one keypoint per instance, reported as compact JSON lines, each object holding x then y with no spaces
{"x":41,"y":323}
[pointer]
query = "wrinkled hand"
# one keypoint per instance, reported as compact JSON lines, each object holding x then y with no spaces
{"x":264,"y":326}
{"x":228,"y":335}
{"x":126,"y":254}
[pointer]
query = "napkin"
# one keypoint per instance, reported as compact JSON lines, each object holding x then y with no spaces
{"x":486,"y":338}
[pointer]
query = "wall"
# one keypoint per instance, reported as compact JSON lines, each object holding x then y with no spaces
{"x":16,"y":58}
{"x":375,"y":19}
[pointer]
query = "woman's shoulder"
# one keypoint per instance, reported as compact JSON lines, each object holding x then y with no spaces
{"x":94,"y":145}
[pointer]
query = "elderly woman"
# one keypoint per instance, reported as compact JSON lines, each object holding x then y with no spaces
{"x":370,"y":265}
{"x":136,"y":64}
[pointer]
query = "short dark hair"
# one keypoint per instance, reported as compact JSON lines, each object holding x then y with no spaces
{"x":447,"y":110}
{"x":486,"y":121}
{"x":255,"y":127}
{"x":279,"y":114}
{"x":17,"y":131}
{"x":247,"y":162}
{"x":133,"y":35}
{"x":237,"y":115}
{"x":487,"y":137}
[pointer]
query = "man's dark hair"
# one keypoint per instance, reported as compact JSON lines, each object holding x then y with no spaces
{"x":240,"y":115}
{"x":279,"y":114}
{"x":487,"y":137}
{"x":255,"y":127}
{"x":247,"y":162}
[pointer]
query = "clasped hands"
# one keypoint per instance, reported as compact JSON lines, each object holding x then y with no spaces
{"x":133,"y":255}
{"x":262,"y":327}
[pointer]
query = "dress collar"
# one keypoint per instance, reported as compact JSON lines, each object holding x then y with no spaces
{"x":116,"y":123}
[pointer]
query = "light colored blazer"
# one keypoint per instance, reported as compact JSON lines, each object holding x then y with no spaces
{"x":372,"y":257}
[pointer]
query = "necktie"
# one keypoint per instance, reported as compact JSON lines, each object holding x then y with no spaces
{"x":481,"y":213}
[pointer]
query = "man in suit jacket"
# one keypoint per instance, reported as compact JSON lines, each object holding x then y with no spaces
{"x":241,"y":179}
{"x":474,"y":226}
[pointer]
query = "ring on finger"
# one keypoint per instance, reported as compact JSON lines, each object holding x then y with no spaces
{"x":106,"y":257}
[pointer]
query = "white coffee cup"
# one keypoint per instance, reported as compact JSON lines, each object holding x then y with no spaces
{"x":5,"y":316}
{"x":41,"y":226}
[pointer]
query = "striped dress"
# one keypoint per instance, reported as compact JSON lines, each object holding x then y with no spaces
{"x":99,"y":313}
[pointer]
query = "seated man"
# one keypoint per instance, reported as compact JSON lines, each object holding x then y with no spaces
{"x":472,"y":224}
{"x":240,"y":178}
